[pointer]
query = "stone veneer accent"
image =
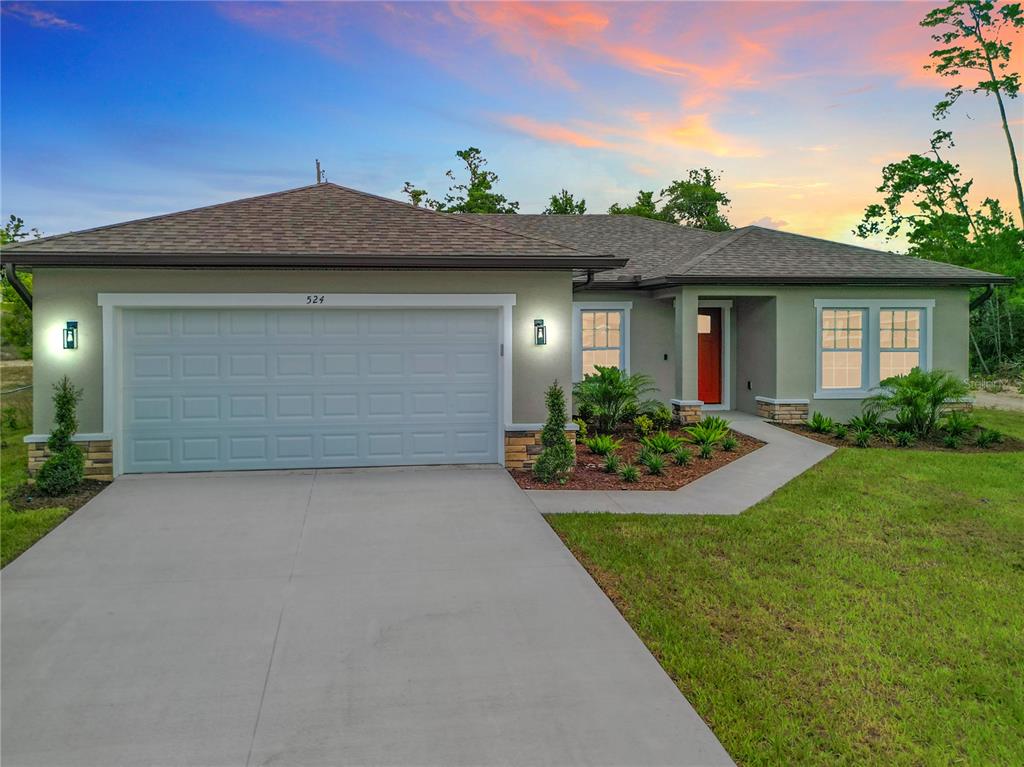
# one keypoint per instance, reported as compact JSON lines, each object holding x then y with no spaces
{"x":99,"y":458}
{"x":523,"y":447}
{"x":783,"y":411}
{"x":685,"y":412}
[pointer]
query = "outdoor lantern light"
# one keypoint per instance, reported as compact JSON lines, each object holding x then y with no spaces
{"x":71,"y":335}
{"x":540,"y":333}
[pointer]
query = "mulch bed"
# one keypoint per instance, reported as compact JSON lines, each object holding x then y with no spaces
{"x":934,"y":443}
{"x":588,"y":474}
{"x":26,"y":497}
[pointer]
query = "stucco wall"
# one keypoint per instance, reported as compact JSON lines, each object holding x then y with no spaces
{"x":71,"y":294}
{"x":754,"y":324}
{"x":652,"y":334}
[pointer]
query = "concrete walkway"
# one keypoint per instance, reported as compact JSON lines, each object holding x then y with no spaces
{"x":385,"y":617}
{"x":731,"y":489}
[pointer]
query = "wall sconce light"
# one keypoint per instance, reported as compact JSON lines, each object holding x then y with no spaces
{"x":540,"y":333}
{"x":71,"y":335}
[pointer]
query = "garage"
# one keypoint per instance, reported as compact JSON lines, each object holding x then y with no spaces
{"x":207,"y":389}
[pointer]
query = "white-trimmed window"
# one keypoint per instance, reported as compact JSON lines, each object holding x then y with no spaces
{"x":600,"y":336}
{"x":842,"y":348}
{"x":861,"y":342}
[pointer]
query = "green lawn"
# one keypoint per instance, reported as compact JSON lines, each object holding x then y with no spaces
{"x":19,"y":529}
{"x":1007,"y":421}
{"x":870,"y":612}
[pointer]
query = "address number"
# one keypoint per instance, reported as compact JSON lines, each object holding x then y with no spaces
{"x":314,"y":299}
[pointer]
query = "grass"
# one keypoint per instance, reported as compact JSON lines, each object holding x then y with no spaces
{"x":1007,"y":421}
{"x":19,"y":529}
{"x":867,"y":613}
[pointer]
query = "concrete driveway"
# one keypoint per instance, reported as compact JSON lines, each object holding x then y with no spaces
{"x":395,"y":617}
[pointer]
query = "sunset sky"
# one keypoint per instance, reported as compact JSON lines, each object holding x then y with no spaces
{"x":113,"y":111}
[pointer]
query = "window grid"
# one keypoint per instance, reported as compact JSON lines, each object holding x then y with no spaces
{"x":899,"y":341}
{"x":842,"y":345}
{"x":601,"y":341}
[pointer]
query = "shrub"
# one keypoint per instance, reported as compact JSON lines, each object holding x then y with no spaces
{"x":919,"y":397}
{"x":602,"y":444}
{"x":730,"y":443}
{"x":662,"y":417}
{"x":958,"y":424}
{"x":904,"y":439}
{"x":988,"y":437}
{"x":581,"y":429}
{"x":643,"y":425}
{"x":655,"y":465}
{"x":681,"y":456}
{"x":662,"y":442}
{"x":585,"y":412}
{"x":629,"y":473}
{"x":64,"y":470}
{"x":611,"y":463}
{"x":862,"y":437}
{"x":839,"y":431}
{"x":866,"y":421}
{"x":953,"y":443}
{"x":710,"y":430}
{"x":646,"y":454}
{"x":557,"y":459}
{"x":820,"y":423}
{"x":706,"y":451}
{"x":610,"y":396}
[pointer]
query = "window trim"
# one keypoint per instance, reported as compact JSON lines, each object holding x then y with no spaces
{"x":871,"y":347}
{"x":578,"y":307}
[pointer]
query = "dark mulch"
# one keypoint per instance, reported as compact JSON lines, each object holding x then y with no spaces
{"x":588,"y":474}
{"x":27,"y":497}
{"x":1007,"y":445}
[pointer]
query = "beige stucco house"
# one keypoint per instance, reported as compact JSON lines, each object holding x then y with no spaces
{"x":326,"y":327}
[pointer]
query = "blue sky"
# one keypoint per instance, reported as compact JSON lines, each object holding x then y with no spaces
{"x":113,"y":111}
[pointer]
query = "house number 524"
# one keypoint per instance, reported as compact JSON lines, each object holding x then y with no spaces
{"x":314,"y":299}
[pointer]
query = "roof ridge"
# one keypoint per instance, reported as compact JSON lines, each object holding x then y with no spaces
{"x":730,"y":238}
{"x":159,"y":216}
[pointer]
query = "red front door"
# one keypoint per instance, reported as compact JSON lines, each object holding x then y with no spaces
{"x":709,"y":356}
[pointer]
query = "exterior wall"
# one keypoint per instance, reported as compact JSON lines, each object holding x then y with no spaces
{"x":796,"y":325}
{"x":71,"y":294}
{"x":523,"y":447}
{"x":754,"y":324}
{"x":651,"y":336}
{"x":99,"y":458}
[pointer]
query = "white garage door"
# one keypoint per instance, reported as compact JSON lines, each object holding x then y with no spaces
{"x":275,"y":389}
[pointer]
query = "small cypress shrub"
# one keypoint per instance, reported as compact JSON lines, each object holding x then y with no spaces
{"x":64,"y":470}
{"x":557,"y":459}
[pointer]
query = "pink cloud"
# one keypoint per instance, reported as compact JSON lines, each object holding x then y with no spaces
{"x":37,"y":17}
{"x":552,"y":132}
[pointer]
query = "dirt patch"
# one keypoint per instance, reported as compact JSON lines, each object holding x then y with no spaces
{"x":933,"y":443}
{"x":589,"y":473}
{"x":27,"y":497}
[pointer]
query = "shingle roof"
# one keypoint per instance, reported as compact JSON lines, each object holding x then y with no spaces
{"x":662,"y":254}
{"x":321,"y":224}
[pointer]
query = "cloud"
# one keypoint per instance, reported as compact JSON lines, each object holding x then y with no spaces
{"x":551,"y":132}
{"x":770,"y":223}
{"x":37,"y":17}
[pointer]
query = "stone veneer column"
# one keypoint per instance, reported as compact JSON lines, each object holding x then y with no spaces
{"x":99,"y":458}
{"x":523,"y":447}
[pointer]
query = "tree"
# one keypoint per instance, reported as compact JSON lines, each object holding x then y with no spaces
{"x":972,"y":33}
{"x":16,"y":325}
{"x":564,"y":203}
{"x":557,"y":459}
{"x":473,"y":196}
{"x":696,"y":202}
{"x":644,"y":206}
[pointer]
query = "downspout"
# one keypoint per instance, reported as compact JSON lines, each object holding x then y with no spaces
{"x":19,"y":287}
{"x":585,"y":283}
{"x":980,"y":300}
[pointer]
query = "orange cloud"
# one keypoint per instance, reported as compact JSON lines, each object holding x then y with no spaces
{"x":551,"y":132}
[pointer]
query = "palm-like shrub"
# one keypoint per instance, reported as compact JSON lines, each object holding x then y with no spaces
{"x":839,"y":431}
{"x":820,"y":423}
{"x":867,"y":421}
{"x":557,"y":459}
{"x":610,"y":395}
{"x":918,"y":397}
{"x":988,"y":437}
{"x":958,"y":424}
{"x":710,"y":430}
{"x":602,"y":444}
{"x":662,"y":442}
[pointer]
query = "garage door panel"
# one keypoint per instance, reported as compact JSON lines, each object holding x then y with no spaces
{"x":224,"y":389}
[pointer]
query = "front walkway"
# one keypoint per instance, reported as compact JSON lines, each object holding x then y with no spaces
{"x":398,"y":617}
{"x":733,"y":488}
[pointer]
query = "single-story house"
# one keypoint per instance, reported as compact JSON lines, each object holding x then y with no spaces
{"x":327,"y":327}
